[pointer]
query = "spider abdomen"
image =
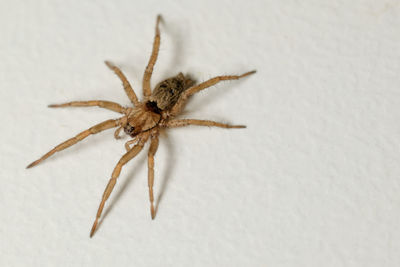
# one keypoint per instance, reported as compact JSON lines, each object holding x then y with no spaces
{"x":167,"y":92}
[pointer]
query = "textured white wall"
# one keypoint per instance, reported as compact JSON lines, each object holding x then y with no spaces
{"x":313,"y":181}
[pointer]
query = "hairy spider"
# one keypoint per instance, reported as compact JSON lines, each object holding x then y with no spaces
{"x":145,"y":119}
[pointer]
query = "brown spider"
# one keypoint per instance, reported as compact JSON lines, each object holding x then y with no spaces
{"x":145,"y":119}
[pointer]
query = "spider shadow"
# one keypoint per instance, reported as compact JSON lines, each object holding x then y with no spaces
{"x":172,"y":32}
{"x":168,"y":170}
{"x":130,"y":177}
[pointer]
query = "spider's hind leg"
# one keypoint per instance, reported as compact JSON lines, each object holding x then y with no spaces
{"x":152,"y":61}
{"x":186,"y":122}
{"x":125,"y":83}
{"x":192,"y":90}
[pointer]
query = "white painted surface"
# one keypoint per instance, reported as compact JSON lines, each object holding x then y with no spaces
{"x":313,"y":181}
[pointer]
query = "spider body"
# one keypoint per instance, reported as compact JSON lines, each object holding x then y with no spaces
{"x":155,"y":110}
{"x":144,"y":120}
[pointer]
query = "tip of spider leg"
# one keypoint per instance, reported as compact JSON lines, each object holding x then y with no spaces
{"x":153,"y":212}
{"x":248,"y":73}
{"x":31,"y":165}
{"x":93,"y":229}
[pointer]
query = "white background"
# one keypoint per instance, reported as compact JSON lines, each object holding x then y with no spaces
{"x":314,"y":180}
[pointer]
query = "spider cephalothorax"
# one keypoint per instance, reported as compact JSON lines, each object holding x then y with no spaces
{"x":144,"y":120}
{"x":140,"y":119}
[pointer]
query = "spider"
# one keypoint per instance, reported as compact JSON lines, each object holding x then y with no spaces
{"x":144,"y":120}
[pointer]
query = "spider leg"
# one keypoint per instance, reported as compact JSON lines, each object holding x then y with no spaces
{"x":192,"y":90}
{"x":153,"y":58}
{"x":72,"y":141}
{"x":92,"y":103}
{"x":127,"y":86}
{"x":117,"y":132}
{"x":130,"y":142}
{"x":150,"y":164}
{"x":185,"y":122}
{"x":115,"y":174}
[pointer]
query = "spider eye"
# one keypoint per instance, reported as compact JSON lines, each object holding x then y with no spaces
{"x":129,"y":129}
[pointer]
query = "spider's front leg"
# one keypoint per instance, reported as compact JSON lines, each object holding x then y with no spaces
{"x":79,"y":137}
{"x":150,"y":164}
{"x":92,"y":103}
{"x":115,"y":174}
